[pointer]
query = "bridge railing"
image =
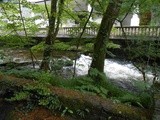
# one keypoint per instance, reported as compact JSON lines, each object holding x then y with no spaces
{"x":72,"y":31}
{"x":117,"y":32}
{"x":148,"y":31}
{"x":131,"y":31}
{"x":77,"y":30}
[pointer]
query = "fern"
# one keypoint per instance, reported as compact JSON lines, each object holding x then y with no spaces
{"x":22,"y":95}
{"x":89,"y":86}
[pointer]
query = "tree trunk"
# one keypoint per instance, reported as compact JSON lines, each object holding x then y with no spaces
{"x":52,"y":32}
{"x":108,"y":19}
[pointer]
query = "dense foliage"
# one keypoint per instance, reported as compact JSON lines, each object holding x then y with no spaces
{"x":143,"y":53}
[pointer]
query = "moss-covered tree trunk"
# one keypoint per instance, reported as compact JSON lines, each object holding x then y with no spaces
{"x":107,"y":22}
{"x":54,"y":21}
{"x":92,"y":107}
{"x":50,"y":36}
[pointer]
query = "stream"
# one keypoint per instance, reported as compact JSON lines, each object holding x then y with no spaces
{"x":122,"y":73}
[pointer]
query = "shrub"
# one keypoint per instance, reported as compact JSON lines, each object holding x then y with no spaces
{"x":38,"y":48}
{"x":61,"y":46}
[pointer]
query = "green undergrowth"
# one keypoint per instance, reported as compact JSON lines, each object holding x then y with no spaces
{"x":32,"y":96}
{"x":57,"y":46}
{"x":101,"y":87}
{"x":83,"y":45}
{"x":15,"y":41}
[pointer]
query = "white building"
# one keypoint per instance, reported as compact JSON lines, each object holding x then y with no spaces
{"x":80,"y":6}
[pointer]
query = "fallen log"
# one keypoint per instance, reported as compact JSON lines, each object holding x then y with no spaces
{"x":99,"y":108}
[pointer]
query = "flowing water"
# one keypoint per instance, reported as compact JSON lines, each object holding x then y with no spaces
{"x":120,"y":72}
{"x":114,"y":69}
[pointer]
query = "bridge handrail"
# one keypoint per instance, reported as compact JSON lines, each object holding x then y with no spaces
{"x":74,"y":30}
{"x":145,"y":26}
{"x":130,"y":31}
{"x":149,"y":31}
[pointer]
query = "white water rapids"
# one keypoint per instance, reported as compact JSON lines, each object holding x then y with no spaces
{"x":121,"y":73}
{"x":113,"y":69}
